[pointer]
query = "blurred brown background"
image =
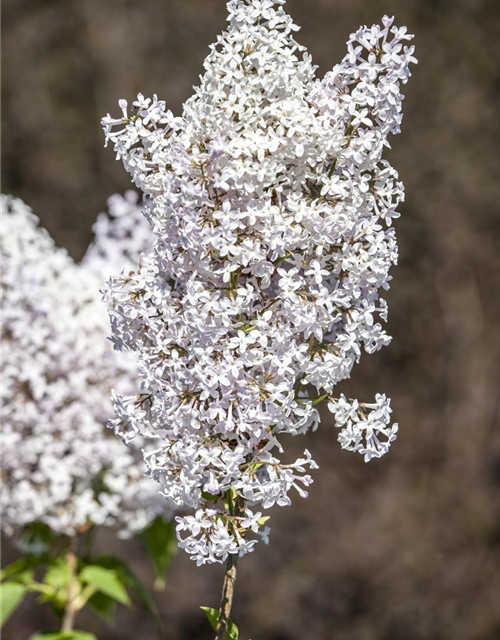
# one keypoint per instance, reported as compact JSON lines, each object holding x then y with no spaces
{"x":405,"y":548}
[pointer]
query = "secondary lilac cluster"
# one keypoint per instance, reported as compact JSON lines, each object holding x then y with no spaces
{"x":60,"y":465}
{"x":272,"y":209}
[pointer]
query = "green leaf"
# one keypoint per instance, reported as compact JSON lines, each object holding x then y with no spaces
{"x":212,"y":615}
{"x":256,"y":465}
{"x":103,"y":605}
{"x":23,"y":577}
{"x":63,"y":635}
{"x":160,"y":543}
{"x":232,"y":632}
{"x":210,"y":496}
{"x":15,"y":567}
{"x":47,"y":594}
{"x":263,"y":520}
{"x":20,"y":567}
{"x":58,"y":575}
{"x":129,"y":578}
{"x":11,"y":595}
{"x":106,"y":581}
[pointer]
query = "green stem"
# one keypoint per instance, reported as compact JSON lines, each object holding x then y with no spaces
{"x":314,"y":401}
{"x":70,"y":609}
{"x":332,"y":168}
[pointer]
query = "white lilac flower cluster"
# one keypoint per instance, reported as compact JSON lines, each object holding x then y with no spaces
{"x":272,"y":209}
{"x":60,"y":465}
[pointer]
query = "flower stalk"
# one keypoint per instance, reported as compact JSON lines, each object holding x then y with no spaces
{"x":226,"y":603}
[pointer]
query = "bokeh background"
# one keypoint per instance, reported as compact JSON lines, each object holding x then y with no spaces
{"x":405,"y":548}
